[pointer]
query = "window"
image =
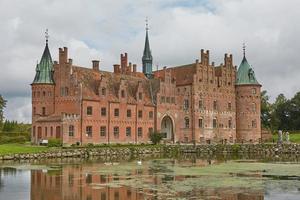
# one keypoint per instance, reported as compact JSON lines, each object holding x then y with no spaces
{"x":162,"y":99}
{"x":128,"y":131}
{"x":44,"y":93}
{"x":186,"y":122}
{"x":34,"y":110}
{"x":151,"y":115}
{"x":253,"y":123}
{"x":253,"y":107}
{"x":253,"y":91}
{"x":51,"y":131}
{"x":122,"y":93}
{"x":140,"y":96}
{"x":215,"y":105}
{"x":46,"y":131}
{"x":116,"y":112}
{"x":116,"y":131}
{"x":140,"y":114}
{"x":140,"y":132}
{"x":186,"y":104}
{"x":168,"y":100}
{"x":103,"y":131}
{"x":172,"y":99}
{"x":103,"y":111}
{"x":33,"y":132}
{"x":128,"y":113}
{"x":229,"y":123}
{"x":89,"y":110}
{"x":229,"y":106}
{"x":43,"y":111}
{"x":200,"y":123}
{"x":89,"y":131}
{"x":103,"y":91}
{"x":201,"y":104}
{"x":215,"y":123}
{"x":71,"y":130}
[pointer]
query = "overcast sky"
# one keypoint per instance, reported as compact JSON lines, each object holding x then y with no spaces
{"x":102,"y":29}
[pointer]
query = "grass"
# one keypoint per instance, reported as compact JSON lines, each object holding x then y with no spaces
{"x":294,"y":137}
{"x":20,"y":148}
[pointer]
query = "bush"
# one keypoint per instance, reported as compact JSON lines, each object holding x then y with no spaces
{"x":15,"y":139}
{"x":54,"y":142}
{"x":155,"y":137}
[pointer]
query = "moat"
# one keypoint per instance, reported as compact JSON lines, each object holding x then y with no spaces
{"x":186,"y":177}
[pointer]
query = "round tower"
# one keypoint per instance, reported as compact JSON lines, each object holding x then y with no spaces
{"x":248,"y":100}
{"x":42,"y":89}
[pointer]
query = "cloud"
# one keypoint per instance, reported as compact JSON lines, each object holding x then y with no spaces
{"x":178,"y":30}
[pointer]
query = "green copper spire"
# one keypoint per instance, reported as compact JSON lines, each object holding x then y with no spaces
{"x":147,"y":56}
{"x":245,"y":74}
{"x":44,"y":69}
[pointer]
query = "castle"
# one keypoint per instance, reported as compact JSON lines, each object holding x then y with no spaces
{"x":197,"y":102}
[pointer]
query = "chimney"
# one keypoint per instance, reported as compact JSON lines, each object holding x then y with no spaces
{"x":63,"y":55}
{"x":96,"y":65}
{"x":116,"y":68}
{"x":134,"y":68}
{"x":124,"y":62}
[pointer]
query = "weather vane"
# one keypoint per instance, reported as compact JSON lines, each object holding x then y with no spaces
{"x":147,"y":28}
{"x":244,"y":49}
{"x":47,"y":35}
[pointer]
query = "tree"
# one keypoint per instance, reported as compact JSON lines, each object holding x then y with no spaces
{"x":266,"y":108}
{"x":2,"y":106}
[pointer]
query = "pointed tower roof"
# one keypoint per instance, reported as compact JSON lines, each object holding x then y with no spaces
{"x":245,"y":74}
{"x":44,"y":69}
{"x":147,"y":52}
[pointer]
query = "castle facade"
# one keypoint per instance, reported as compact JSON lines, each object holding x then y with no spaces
{"x":197,"y":102}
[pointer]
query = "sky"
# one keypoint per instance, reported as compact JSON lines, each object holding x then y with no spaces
{"x":179,"y":29}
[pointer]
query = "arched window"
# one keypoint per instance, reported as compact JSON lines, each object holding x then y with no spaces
{"x":186,"y":122}
{"x":253,"y":123}
{"x":230,"y":123}
{"x":103,"y":91}
{"x":122,"y":93}
{"x":201,"y":123}
{"x":253,"y":107}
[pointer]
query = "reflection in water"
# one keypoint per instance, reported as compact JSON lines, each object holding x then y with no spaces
{"x":88,"y":183}
{"x":154,"y":179}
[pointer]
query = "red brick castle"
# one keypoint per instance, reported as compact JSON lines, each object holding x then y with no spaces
{"x":197,"y":102}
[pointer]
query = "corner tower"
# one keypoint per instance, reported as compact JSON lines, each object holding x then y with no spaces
{"x":42,"y":89}
{"x":248,"y":100}
{"x":147,"y":56}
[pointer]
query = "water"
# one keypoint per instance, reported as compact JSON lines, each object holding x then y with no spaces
{"x":183,"y":178}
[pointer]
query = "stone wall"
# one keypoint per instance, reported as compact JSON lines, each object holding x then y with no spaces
{"x":259,"y":150}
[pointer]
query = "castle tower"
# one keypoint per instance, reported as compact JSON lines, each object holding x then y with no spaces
{"x":248,"y":125}
{"x":42,"y":88}
{"x":147,"y":56}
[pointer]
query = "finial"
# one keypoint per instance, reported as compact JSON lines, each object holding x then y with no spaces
{"x":244,"y":49}
{"x":47,"y":35}
{"x":147,"y":28}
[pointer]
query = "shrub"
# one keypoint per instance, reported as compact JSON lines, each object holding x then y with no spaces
{"x":90,"y":145}
{"x":14,"y":139}
{"x":155,"y":137}
{"x":54,"y":142}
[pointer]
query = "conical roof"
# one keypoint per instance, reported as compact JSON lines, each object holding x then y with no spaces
{"x":44,"y":70}
{"x":147,"y":52}
{"x":245,"y":74}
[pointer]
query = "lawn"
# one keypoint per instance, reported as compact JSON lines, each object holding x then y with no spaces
{"x":294,"y":137}
{"x":20,"y":148}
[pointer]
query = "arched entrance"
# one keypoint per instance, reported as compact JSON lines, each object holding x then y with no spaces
{"x":167,"y":128}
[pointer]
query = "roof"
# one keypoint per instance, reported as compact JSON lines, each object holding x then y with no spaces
{"x":44,"y":70}
{"x":182,"y":74}
{"x":245,"y":74}
{"x":91,"y":80}
{"x":147,"y":52}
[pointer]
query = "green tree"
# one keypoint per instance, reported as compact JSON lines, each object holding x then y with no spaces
{"x":281,"y":113}
{"x":2,"y":106}
{"x":266,"y":108}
